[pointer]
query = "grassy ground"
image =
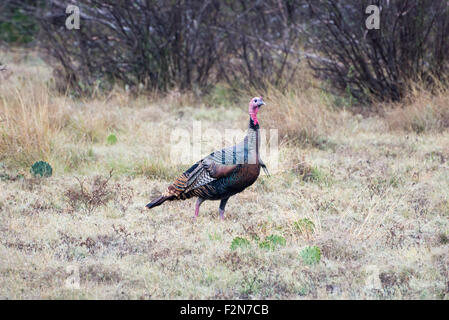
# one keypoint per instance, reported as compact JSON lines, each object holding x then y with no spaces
{"x":361,"y":211}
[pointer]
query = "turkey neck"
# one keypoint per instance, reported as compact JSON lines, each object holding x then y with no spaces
{"x":253,"y":140}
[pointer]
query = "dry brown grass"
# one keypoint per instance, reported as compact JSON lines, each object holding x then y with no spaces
{"x":301,"y":116}
{"x":423,"y":111}
{"x":29,"y":117}
{"x":374,"y":201}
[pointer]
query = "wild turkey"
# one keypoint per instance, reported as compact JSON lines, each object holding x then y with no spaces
{"x":223,"y":173}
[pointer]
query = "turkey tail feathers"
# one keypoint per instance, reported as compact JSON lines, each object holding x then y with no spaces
{"x":157,"y":202}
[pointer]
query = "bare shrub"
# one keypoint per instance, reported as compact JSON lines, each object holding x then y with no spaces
{"x":141,"y":44}
{"x":98,"y":193}
{"x":261,"y":43}
{"x":90,"y":197}
{"x":161,"y":45}
{"x":411,"y":45}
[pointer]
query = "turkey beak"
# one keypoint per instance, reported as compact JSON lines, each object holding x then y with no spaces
{"x":261,"y":103}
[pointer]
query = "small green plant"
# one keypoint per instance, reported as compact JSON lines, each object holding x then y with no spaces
{"x":154,"y":169}
{"x":215,"y":236}
{"x":272,"y":242}
{"x":318,"y":176}
{"x":250,"y":284}
{"x":112,"y":139}
{"x":395,"y":181}
{"x":239,"y":242}
{"x":305,"y":227}
{"x":443,"y":238}
{"x":310,"y":255}
{"x":41,"y":168}
{"x":220,"y":95}
{"x":418,"y":125}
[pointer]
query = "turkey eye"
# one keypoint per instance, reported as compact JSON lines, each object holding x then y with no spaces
{"x":255,"y":100}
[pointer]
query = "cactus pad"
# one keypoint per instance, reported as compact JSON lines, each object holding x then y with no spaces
{"x":41,"y":168}
{"x":112,"y":139}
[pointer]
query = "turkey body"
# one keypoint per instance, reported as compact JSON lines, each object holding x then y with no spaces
{"x":221,"y":174}
{"x":243,"y":176}
{"x":239,"y":166}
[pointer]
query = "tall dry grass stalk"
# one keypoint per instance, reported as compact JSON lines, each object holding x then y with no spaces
{"x":39,"y":123}
{"x":301,"y":113}
{"x":30,"y":117}
{"x":422,"y":111}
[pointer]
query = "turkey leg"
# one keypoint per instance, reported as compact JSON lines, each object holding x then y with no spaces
{"x":222,"y":207}
{"x":197,"y":206}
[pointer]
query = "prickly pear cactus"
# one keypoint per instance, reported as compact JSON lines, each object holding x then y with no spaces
{"x":41,"y":168}
{"x":112,"y":139}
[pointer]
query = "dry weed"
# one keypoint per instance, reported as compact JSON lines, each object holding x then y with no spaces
{"x":423,"y":111}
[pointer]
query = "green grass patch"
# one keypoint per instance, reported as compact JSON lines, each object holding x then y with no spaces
{"x":215,"y":236}
{"x":272,"y":242}
{"x":318,"y":176}
{"x":305,"y":226}
{"x":152,"y":169}
{"x":158,"y":169}
{"x":239,"y":242}
{"x":310,"y":255}
{"x":222,"y":95}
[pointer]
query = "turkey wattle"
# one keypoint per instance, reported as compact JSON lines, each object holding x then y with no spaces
{"x":223,"y":173}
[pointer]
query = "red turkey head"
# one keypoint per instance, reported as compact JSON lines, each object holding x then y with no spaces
{"x":254,"y":106}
